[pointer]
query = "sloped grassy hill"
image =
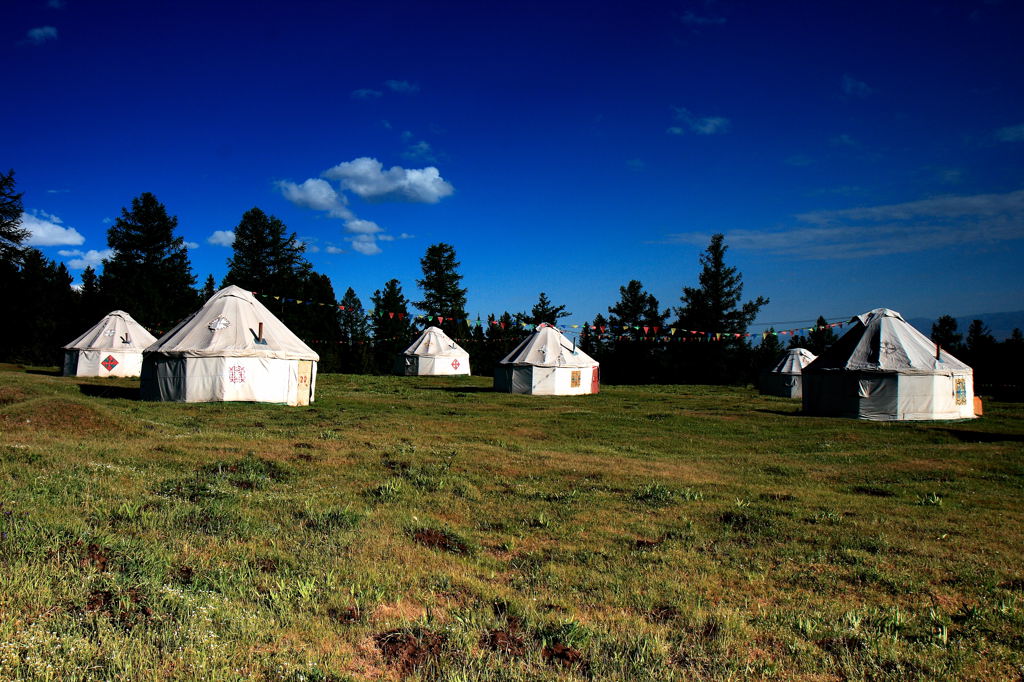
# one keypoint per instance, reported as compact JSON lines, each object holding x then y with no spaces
{"x":429,"y":528}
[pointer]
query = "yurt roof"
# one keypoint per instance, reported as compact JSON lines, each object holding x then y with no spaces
{"x":228,"y":326}
{"x":434,"y":342}
{"x":548,"y":347}
{"x":793,"y":361}
{"x":116,"y":331}
{"x":882,"y":341}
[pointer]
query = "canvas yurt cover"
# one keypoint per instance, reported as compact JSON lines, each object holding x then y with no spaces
{"x":784,"y":378}
{"x":547,"y":363}
{"x":219,"y":354}
{"x":884,"y":369}
{"x":433,"y":354}
{"x":111,"y":348}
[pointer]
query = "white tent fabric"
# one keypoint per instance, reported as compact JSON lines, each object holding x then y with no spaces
{"x":784,"y":379}
{"x":110,"y":348}
{"x":884,"y":369}
{"x":433,"y":353}
{"x":547,"y":363}
{"x":218,"y":354}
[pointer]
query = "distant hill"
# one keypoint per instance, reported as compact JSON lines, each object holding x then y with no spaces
{"x":1001,"y":324}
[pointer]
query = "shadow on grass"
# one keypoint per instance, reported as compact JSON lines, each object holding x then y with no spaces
{"x":115,"y":392}
{"x":46,"y":372}
{"x":784,"y":413}
{"x":457,"y":389}
{"x":967,"y":436}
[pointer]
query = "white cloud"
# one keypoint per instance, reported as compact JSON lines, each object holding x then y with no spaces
{"x":57,"y":191}
{"x":46,"y":229}
{"x":107,"y":221}
{"x":222,"y":238}
{"x":706,"y":125}
{"x":316,"y":194}
{"x":366,"y":93}
{"x":367,"y":178}
{"x":365,"y":244}
{"x":1011,"y":133}
{"x":83,"y":259}
{"x":335,"y":249}
{"x":404,"y":87}
{"x":855,"y":88}
{"x":191,"y":245}
{"x":950,"y":221}
{"x":357,"y":226}
{"x":41,"y":34}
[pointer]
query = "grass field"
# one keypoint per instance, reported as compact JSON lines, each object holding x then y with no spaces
{"x":429,"y":528}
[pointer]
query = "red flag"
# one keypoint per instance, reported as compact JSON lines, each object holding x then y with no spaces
{"x":391,"y":315}
{"x":645,"y":329}
{"x":440,"y":319}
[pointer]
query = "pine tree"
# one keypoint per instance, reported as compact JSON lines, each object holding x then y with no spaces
{"x":392,"y":325}
{"x":149,"y":275}
{"x":209,"y":288}
{"x":265,"y":257}
{"x":91,"y":306}
{"x":543,"y":311}
{"x":818,"y":339}
{"x":714,"y":307}
{"x":635,"y":310}
{"x":946,"y":334}
{"x":12,"y":234}
{"x":44,"y":308}
{"x":632,"y":356}
{"x":354,"y":330}
{"x":316,"y":321}
{"x":442,"y":295}
{"x":979,"y":338}
{"x":768,"y":351}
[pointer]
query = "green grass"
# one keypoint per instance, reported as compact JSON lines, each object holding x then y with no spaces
{"x":428,"y":529}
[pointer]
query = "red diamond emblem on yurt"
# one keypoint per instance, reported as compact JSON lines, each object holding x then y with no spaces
{"x":455,"y":363}
{"x":109,"y":362}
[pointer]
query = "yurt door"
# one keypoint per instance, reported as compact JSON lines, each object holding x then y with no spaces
{"x":595,"y":381}
{"x":305,"y":381}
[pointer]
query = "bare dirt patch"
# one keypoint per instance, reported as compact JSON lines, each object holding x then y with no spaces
{"x":562,"y":655}
{"x":662,"y":613}
{"x":438,"y":539}
{"x":407,"y":650}
{"x":347,"y":615}
{"x":506,"y":642}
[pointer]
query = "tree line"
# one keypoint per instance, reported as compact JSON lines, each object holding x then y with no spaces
{"x":149,"y":275}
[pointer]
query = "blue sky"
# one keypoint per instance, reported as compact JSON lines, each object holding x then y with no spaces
{"x":855,"y":154}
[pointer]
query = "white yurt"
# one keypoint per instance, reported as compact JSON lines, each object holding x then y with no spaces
{"x":884,"y":369}
{"x":111,"y":348}
{"x":231,"y":349}
{"x":547,"y":363}
{"x":783,"y":379}
{"x":433,"y":354}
